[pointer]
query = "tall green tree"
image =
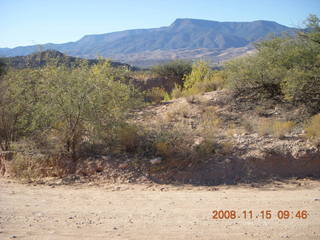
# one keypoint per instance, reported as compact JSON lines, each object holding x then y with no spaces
{"x":85,"y":102}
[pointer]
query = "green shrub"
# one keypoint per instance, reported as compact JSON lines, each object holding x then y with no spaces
{"x":173,"y":72}
{"x":283,"y":66}
{"x":68,"y":104}
{"x":303,"y":86}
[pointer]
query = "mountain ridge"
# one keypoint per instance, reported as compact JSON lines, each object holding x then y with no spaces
{"x":183,"y":33}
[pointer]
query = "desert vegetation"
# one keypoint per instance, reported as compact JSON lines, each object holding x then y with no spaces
{"x":61,"y":108}
{"x":56,"y":112}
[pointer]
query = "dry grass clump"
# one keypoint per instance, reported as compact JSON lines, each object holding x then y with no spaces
{"x":142,"y":75}
{"x":128,"y":138}
{"x":226,"y":148}
{"x":36,"y":166}
{"x":210,"y":121}
{"x":193,"y":99}
{"x":232,"y":130}
{"x":274,"y":127}
{"x":280,"y":128}
{"x":312,"y":128}
{"x":177,"y":92}
{"x":175,"y":114}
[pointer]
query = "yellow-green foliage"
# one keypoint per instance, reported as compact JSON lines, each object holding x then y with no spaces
{"x":201,"y":79}
{"x":274,"y":127}
{"x":200,"y":72}
{"x":312,"y":128}
{"x":215,"y":81}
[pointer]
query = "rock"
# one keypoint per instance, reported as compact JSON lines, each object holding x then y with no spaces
{"x":157,"y":160}
{"x":59,"y":182}
{"x":123,"y":165}
{"x":197,"y":142}
{"x":105,"y":158}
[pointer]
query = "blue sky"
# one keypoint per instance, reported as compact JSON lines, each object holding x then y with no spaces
{"x":29,"y":22}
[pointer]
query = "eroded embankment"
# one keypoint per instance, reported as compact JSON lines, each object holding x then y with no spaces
{"x":236,"y":140}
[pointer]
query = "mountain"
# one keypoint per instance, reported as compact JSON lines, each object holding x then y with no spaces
{"x":181,"y":35}
{"x":43,"y":58}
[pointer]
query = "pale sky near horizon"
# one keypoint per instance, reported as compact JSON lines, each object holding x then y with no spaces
{"x":30,"y":22}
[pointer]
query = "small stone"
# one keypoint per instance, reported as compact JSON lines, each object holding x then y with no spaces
{"x":105,"y":158}
{"x":123,"y":165}
{"x":197,"y":141}
{"x":157,"y":160}
{"x":39,"y":214}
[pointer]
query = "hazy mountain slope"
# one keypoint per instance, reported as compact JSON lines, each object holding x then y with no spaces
{"x":181,"y":34}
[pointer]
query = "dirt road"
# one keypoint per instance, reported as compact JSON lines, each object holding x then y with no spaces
{"x":157,"y":212}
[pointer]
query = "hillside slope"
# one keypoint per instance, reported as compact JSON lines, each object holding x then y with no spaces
{"x":40,"y":59}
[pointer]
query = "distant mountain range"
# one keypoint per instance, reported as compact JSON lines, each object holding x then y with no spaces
{"x":184,"y":38}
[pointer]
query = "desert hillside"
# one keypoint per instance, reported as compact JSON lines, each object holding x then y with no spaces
{"x":254,"y":118}
{"x":130,"y":120}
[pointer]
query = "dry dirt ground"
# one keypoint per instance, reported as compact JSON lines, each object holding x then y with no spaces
{"x":147,"y":211}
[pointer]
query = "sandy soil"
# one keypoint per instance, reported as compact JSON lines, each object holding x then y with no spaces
{"x":156,"y":212}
